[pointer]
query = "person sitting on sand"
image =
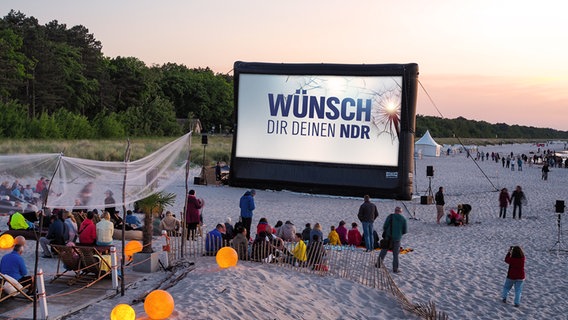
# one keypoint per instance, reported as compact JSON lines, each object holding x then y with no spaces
{"x":262,"y":249}
{"x":316,"y":230}
{"x":454,"y":218}
{"x":332,"y":237}
{"x":299,"y":255}
{"x":354,"y":237}
{"x":214,"y":239}
{"x":240,"y":242}
{"x":342,"y":232}
{"x":287,"y":232}
{"x":306,"y":232}
{"x":263,"y":226}
{"x":315,"y":252}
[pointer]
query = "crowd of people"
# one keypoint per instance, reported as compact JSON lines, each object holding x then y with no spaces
{"x":284,"y":242}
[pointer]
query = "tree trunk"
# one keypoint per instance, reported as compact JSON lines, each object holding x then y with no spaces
{"x":147,"y":233}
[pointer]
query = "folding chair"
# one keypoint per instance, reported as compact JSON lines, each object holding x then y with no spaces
{"x":12,"y":288}
{"x":87,"y":264}
{"x":69,"y":261}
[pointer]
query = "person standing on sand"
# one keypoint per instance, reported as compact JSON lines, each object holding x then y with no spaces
{"x":247,"y":207}
{"x":393,"y":228}
{"x":192,"y":215}
{"x":439,"y":198}
{"x":518,"y":197}
{"x":367,"y":214}
{"x":515,"y":258}
{"x":545,"y":171}
{"x":504,"y":200}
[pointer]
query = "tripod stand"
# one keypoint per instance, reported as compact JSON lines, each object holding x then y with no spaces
{"x":429,"y":191}
{"x":558,"y":247}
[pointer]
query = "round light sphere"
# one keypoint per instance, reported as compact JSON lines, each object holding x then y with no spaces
{"x":159,"y":304}
{"x":122,"y":312}
{"x":132,"y":247}
{"x":227,"y":257}
{"x":6,"y":241}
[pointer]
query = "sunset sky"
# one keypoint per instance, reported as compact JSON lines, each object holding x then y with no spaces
{"x":496,"y":61}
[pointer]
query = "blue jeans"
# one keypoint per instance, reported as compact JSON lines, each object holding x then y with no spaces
{"x":518,"y":289}
{"x":368,"y":234}
{"x":395,"y":252}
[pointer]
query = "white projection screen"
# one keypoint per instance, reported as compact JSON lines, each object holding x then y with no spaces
{"x":325,"y":128}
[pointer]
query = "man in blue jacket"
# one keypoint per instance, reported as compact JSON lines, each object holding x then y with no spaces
{"x":247,"y":206}
{"x":13,"y":264}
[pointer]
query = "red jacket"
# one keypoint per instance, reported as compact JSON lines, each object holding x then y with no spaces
{"x":193,"y":206}
{"x":354,"y":237}
{"x":87,"y":232}
{"x":516,"y":267}
{"x":263,"y":226}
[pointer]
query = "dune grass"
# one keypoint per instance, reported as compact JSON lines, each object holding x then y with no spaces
{"x":218,"y":148}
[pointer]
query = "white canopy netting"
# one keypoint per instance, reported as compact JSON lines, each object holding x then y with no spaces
{"x":57,"y":181}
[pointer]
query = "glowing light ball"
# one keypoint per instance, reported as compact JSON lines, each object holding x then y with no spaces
{"x":227,"y":257}
{"x":6,"y":241}
{"x":159,"y":304}
{"x":122,"y":312}
{"x":132,"y":247}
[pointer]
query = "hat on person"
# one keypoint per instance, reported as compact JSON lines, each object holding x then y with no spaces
{"x":252,"y":191}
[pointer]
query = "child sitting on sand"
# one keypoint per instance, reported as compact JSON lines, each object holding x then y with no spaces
{"x":332,"y":238}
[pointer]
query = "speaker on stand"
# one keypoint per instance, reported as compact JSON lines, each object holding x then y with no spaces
{"x":558,"y":247}
{"x":429,"y":195}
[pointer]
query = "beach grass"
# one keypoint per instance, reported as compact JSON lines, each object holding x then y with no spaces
{"x":217,"y":149}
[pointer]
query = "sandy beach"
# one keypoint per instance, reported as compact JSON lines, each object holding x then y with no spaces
{"x":460,"y":269}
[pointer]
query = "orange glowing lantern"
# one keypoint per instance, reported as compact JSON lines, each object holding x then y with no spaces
{"x":159,"y":304}
{"x":227,"y":257}
{"x":132,"y":247}
{"x":6,"y":241}
{"x":122,"y":312}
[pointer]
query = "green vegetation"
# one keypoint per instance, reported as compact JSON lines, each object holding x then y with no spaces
{"x":218,"y":148}
{"x":58,"y":93}
{"x":465,"y":129}
{"x":55,"y":83}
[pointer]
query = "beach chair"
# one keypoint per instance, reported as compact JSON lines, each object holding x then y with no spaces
{"x":87,"y":264}
{"x":12,"y":288}
{"x":69,"y":261}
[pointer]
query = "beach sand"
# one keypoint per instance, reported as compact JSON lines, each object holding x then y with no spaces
{"x":460,"y":269}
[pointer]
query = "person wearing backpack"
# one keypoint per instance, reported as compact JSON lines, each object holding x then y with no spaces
{"x":393,"y":229}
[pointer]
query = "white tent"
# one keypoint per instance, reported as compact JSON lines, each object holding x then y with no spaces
{"x":426,"y":146}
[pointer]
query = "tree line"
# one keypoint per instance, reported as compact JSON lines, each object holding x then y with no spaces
{"x":464,"y":128}
{"x":55,"y":82}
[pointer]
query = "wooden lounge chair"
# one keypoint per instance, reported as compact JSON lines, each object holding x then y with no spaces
{"x":12,"y":288}
{"x":69,"y":261}
{"x":85,"y":264}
